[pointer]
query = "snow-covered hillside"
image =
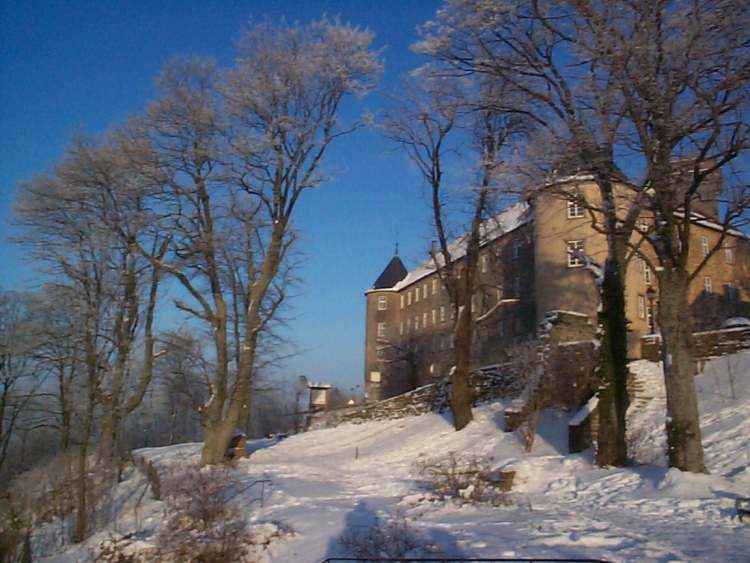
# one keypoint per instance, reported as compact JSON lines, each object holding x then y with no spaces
{"x":326,"y":482}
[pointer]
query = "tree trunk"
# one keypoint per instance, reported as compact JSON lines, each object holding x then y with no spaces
{"x":110,"y":436}
{"x":81,"y":492}
{"x":215,"y":442}
{"x":461,"y":395}
{"x":685,"y":450}
{"x":613,"y":393}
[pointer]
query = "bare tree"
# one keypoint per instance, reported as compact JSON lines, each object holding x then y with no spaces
{"x":84,"y":222}
{"x":20,"y":377}
{"x":231,"y":156}
{"x":622,"y":81}
{"x":528,"y":48}
{"x":686,"y":97}
{"x":424,"y":125}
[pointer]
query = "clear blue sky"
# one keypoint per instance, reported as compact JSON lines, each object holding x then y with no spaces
{"x":77,"y":66}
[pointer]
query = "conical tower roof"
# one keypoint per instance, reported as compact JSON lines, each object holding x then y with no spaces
{"x":394,"y":272}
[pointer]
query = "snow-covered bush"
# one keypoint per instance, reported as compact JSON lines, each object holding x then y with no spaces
{"x":466,"y":477}
{"x":202,"y":525}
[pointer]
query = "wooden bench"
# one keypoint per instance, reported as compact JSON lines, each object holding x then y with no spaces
{"x":236,"y":447}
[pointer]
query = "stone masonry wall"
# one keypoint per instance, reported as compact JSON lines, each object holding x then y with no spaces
{"x":487,"y":384}
{"x":705,"y":344}
{"x":569,"y":356}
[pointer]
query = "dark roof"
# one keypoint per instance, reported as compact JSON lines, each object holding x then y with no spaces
{"x":394,"y":272}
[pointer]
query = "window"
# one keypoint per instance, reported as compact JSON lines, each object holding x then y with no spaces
{"x":708,"y":285}
{"x":575,"y":207}
{"x":380,"y":353}
{"x":381,"y":330}
{"x":424,"y":291}
{"x":704,"y":246}
{"x":408,"y":324}
{"x":473,"y":303}
{"x":647,"y":273}
{"x":424,"y":319}
{"x":434,"y":316}
{"x":408,"y":298}
{"x":416,"y":322}
{"x":516,"y":248}
{"x":575,"y":253}
{"x":728,"y":253}
{"x":401,"y":328}
{"x":382,"y":303}
{"x":375,"y":376}
{"x":641,"y":307}
{"x":416,"y":295}
{"x":442,"y":313}
{"x":731,"y":293}
{"x":403,"y":299}
{"x":484,"y":263}
{"x":434,"y":287}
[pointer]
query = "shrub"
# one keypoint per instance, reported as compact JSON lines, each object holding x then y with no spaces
{"x":202,"y":524}
{"x":470,"y":478}
{"x":122,"y":550}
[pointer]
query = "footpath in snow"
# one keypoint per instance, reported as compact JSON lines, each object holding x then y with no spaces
{"x":327,"y":482}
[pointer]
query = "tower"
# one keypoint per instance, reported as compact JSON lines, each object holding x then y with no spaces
{"x":381,"y":319}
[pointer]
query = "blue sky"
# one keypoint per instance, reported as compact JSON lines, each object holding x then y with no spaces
{"x":71,"y":67}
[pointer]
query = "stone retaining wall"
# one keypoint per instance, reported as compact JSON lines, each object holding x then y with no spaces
{"x":706,"y":345}
{"x":568,"y":356}
{"x":488,"y":385}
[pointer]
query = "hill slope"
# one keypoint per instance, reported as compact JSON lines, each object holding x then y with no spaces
{"x":329,"y":481}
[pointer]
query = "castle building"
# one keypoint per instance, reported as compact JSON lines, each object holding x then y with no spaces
{"x":531,"y":263}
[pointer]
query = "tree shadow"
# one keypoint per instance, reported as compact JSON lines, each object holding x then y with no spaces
{"x":357,"y":521}
{"x":444,"y":543}
{"x":365,"y":534}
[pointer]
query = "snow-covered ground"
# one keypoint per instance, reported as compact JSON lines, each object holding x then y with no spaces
{"x":329,"y":481}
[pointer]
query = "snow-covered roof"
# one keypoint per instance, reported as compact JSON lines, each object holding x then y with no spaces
{"x":492,"y":229}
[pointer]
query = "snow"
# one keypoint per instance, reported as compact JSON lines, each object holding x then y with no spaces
{"x":585,"y":411}
{"x":327,"y":481}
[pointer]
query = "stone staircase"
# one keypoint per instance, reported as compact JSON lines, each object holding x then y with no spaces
{"x":642,"y":389}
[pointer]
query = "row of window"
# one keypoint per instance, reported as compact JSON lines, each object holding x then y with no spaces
{"x":437,"y":316}
{"x":576,"y":210}
{"x":576,"y":257}
{"x":431,"y":287}
{"x":730,"y":291}
{"x":440,"y":342}
{"x":406,"y":298}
